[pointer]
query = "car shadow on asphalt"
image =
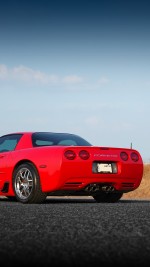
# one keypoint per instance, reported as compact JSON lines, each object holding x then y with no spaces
{"x":71,"y":199}
{"x":77,"y":199}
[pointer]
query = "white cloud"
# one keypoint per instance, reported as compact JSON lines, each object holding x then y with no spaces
{"x":103,"y":80}
{"x":72,"y":79}
{"x":3,"y":71}
{"x":25,"y":74}
{"x":92,"y":121}
{"x":30,"y":75}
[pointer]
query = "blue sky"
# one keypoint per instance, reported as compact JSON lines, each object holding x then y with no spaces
{"x":77,"y":66}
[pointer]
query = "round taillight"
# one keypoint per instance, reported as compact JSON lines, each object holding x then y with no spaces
{"x":124,"y":156}
{"x":134,"y":156}
{"x":83,"y":154}
{"x":70,"y":154}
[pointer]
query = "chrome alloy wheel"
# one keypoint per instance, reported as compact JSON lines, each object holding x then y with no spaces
{"x":24,"y":183}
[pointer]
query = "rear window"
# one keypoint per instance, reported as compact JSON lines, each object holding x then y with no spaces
{"x":58,"y":139}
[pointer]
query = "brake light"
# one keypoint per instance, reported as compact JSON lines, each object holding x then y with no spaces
{"x":124,"y":156}
{"x":134,"y":156}
{"x":83,"y":154}
{"x":70,"y":154}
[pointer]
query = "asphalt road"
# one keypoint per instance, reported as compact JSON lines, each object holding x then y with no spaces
{"x":75,"y":232}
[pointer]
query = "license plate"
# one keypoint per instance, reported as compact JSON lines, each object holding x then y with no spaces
{"x":104,"y":168}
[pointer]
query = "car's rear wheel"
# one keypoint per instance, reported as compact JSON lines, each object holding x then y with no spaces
{"x":26,"y":184}
{"x":108,"y":197}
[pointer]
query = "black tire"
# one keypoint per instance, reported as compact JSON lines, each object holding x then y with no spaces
{"x":108,"y":197}
{"x":26,"y":184}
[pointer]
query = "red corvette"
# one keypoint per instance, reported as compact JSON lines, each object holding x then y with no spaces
{"x":34,"y":165}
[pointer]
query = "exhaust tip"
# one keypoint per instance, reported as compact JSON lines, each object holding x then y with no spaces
{"x":91,"y":188}
{"x":107,"y":188}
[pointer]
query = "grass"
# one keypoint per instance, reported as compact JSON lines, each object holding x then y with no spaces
{"x":143,"y":191}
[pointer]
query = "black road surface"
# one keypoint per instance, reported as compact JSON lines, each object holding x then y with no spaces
{"x":75,"y":232}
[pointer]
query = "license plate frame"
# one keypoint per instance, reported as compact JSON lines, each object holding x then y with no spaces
{"x":104,"y":167}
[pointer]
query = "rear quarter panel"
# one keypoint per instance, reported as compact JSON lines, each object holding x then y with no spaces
{"x":47,"y":161}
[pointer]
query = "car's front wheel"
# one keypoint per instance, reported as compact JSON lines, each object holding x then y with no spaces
{"x":26,"y":184}
{"x":108,"y":197}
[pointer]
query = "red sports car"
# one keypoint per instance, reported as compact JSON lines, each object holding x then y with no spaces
{"x":34,"y":165}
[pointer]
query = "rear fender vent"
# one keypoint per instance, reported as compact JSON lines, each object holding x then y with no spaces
{"x":128,"y":185}
{"x":72,"y":185}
